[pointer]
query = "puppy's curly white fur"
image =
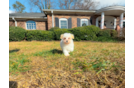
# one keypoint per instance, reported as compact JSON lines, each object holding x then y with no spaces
{"x":66,"y":43}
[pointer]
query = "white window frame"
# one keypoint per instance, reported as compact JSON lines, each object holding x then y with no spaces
{"x":84,"y":20}
{"x":26,"y":25}
{"x":61,"y":20}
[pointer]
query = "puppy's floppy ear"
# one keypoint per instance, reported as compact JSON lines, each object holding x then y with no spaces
{"x":61,"y":36}
{"x":72,"y":36}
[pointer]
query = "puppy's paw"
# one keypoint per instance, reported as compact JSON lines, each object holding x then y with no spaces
{"x":67,"y":55}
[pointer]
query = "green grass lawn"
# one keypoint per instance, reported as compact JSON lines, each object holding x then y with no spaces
{"x":91,"y":65}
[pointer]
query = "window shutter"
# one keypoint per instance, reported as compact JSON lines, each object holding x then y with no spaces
{"x":89,"y":21}
{"x":69,"y":23}
{"x":78,"y":22}
{"x":56,"y":22}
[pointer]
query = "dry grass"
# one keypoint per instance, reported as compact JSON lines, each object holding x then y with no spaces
{"x":91,"y":65}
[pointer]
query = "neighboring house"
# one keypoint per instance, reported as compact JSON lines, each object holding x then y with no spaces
{"x":107,"y":17}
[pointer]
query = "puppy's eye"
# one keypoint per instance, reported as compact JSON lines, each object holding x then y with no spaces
{"x":64,"y":38}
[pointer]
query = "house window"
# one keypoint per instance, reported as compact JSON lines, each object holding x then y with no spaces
{"x":84,"y":22}
{"x":31,"y":25}
{"x":63,"y":23}
{"x":123,"y":23}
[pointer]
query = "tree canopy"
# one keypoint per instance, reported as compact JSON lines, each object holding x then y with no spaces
{"x":18,"y":7}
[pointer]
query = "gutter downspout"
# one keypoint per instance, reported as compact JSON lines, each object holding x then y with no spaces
{"x":15,"y":21}
{"x":52,"y":18}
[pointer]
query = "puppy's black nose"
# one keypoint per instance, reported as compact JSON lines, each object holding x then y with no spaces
{"x":66,"y":41}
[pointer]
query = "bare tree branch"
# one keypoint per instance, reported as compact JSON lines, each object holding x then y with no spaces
{"x":85,"y":5}
{"x":41,"y":4}
{"x":66,"y":4}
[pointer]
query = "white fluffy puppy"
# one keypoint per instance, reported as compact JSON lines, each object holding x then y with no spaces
{"x":66,"y":43}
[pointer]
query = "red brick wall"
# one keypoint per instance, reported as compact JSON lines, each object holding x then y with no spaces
{"x":21,"y":24}
{"x":74,"y":19}
{"x":49,"y":21}
{"x":40,"y":25}
{"x":11,"y":23}
{"x":94,"y":20}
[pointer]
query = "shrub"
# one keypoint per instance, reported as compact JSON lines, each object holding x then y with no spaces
{"x":114,"y":33}
{"x":54,"y":28}
{"x":39,"y":35}
{"x":107,"y":35}
{"x":85,"y":32}
{"x":105,"y":39}
{"x":58,"y":32}
{"x":16,"y":33}
{"x":79,"y":33}
{"x":93,"y":28}
{"x":121,"y":37}
{"x":104,"y":33}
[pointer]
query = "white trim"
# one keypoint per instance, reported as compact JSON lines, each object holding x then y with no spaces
{"x":60,"y":10}
{"x":83,"y":20}
{"x":128,"y":20}
{"x":26,"y":25}
{"x":64,"y":20}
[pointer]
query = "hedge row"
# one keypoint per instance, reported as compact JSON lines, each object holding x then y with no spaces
{"x":85,"y":33}
{"x":39,"y":35}
{"x":16,"y":33}
{"x":81,"y":33}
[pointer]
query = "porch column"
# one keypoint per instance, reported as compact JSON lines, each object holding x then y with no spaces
{"x":114,"y":23}
{"x":52,"y":18}
{"x":102,"y":20}
{"x":97,"y":22}
{"x":121,"y":23}
{"x":121,"y":20}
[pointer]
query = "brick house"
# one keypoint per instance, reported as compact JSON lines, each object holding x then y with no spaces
{"x":108,"y":17}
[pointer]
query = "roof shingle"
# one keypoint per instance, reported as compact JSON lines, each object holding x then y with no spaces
{"x":40,"y":15}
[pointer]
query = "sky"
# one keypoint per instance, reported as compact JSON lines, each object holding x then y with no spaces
{"x":102,"y":3}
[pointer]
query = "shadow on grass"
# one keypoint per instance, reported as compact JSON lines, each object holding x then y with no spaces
{"x":12,"y":84}
{"x":15,"y":50}
{"x":54,"y":51}
{"x":48,"y":53}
